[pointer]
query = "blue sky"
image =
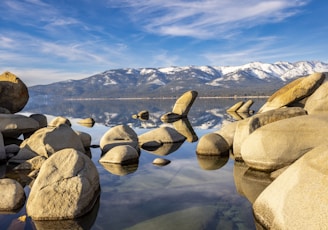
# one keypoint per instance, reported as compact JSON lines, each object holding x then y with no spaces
{"x":44,"y":41}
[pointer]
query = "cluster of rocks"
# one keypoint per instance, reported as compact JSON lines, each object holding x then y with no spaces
{"x":284,"y":146}
{"x":121,"y":146}
{"x":64,"y":181}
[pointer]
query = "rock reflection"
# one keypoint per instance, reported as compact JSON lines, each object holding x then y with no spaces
{"x":184,"y":127}
{"x":212,"y":162}
{"x":250,"y":183}
{"x":118,"y":169}
{"x":84,"y":222}
{"x":163,"y":149}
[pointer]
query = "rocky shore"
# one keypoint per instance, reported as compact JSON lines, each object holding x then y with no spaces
{"x":280,"y":149}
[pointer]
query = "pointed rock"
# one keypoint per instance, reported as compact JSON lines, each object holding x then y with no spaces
{"x":235,"y":107}
{"x":245,"y":107}
{"x":184,"y":103}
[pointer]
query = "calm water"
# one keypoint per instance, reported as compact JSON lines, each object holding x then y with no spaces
{"x":189,"y":193}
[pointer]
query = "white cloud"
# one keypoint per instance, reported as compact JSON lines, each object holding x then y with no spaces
{"x":208,"y":18}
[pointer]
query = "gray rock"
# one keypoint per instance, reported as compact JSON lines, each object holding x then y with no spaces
{"x":12,"y":195}
{"x":14,"y":93}
{"x":67,"y":187}
{"x":280,"y":143}
{"x":3,"y":155}
{"x":41,"y":119}
{"x":297,"y":199}
{"x":13,"y":125}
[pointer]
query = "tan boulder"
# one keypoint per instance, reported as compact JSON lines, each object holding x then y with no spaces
{"x":13,"y":125}
{"x":57,"y":121}
{"x":123,"y":154}
{"x":247,"y":126}
{"x":119,"y":135}
{"x":48,"y":140}
{"x":235,"y":107}
{"x":162,"y":135}
{"x":67,"y":187}
{"x":294,"y":91}
{"x":297,"y":199}
{"x":31,"y":164}
{"x":14,"y":93}
{"x":161,"y":161}
{"x":227,"y":131}
{"x":212,"y":144}
{"x":280,"y":143}
{"x":87,"y":122}
{"x":245,"y":108}
{"x":318,"y":101}
{"x":184,"y":103}
{"x":12,"y":195}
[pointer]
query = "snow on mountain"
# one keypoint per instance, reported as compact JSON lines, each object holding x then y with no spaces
{"x":254,"y":78}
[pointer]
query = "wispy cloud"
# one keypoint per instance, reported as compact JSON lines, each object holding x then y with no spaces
{"x":208,"y":18}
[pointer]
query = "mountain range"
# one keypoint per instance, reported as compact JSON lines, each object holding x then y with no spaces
{"x":256,"y":79}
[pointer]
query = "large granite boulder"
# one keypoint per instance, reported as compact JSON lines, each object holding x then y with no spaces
{"x":318,"y":101}
{"x":294,"y":91}
{"x":67,"y":187}
{"x":247,"y":126}
{"x":280,"y":143}
{"x":48,"y":140}
{"x":13,"y":125}
{"x":119,"y":135}
{"x":297,"y":199}
{"x":12,"y":195}
{"x":14,"y":93}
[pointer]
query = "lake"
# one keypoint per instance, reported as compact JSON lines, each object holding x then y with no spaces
{"x":191,"y":192}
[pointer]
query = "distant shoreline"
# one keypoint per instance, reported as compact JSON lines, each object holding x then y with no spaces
{"x":157,"y":98}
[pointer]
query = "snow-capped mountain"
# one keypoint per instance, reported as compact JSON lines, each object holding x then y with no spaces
{"x":254,"y":78}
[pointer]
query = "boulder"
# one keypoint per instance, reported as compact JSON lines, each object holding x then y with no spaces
{"x":57,"y":121}
{"x":13,"y":125}
{"x":67,"y":187}
{"x":245,"y":108}
{"x":227,"y":131}
{"x":162,"y":135}
{"x":280,"y":143}
{"x":87,"y":122}
{"x":119,"y":135}
{"x":318,"y":101}
{"x":85,"y":138}
{"x":31,"y":164}
{"x":235,"y":107}
{"x":245,"y":127}
{"x":212,"y":144}
{"x":124,"y":154}
{"x":293,"y":92}
{"x":184,"y":103}
{"x":161,"y":161}
{"x":14,"y":93}
{"x":23,"y":155}
{"x":48,"y":140}
{"x":297,"y":199}
{"x":12,"y":195}
{"x":41,"y":119}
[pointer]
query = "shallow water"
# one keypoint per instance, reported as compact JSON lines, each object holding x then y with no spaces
{"x":189,"y":193}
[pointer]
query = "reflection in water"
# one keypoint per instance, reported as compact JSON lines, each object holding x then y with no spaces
{"x":191,"y":192}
